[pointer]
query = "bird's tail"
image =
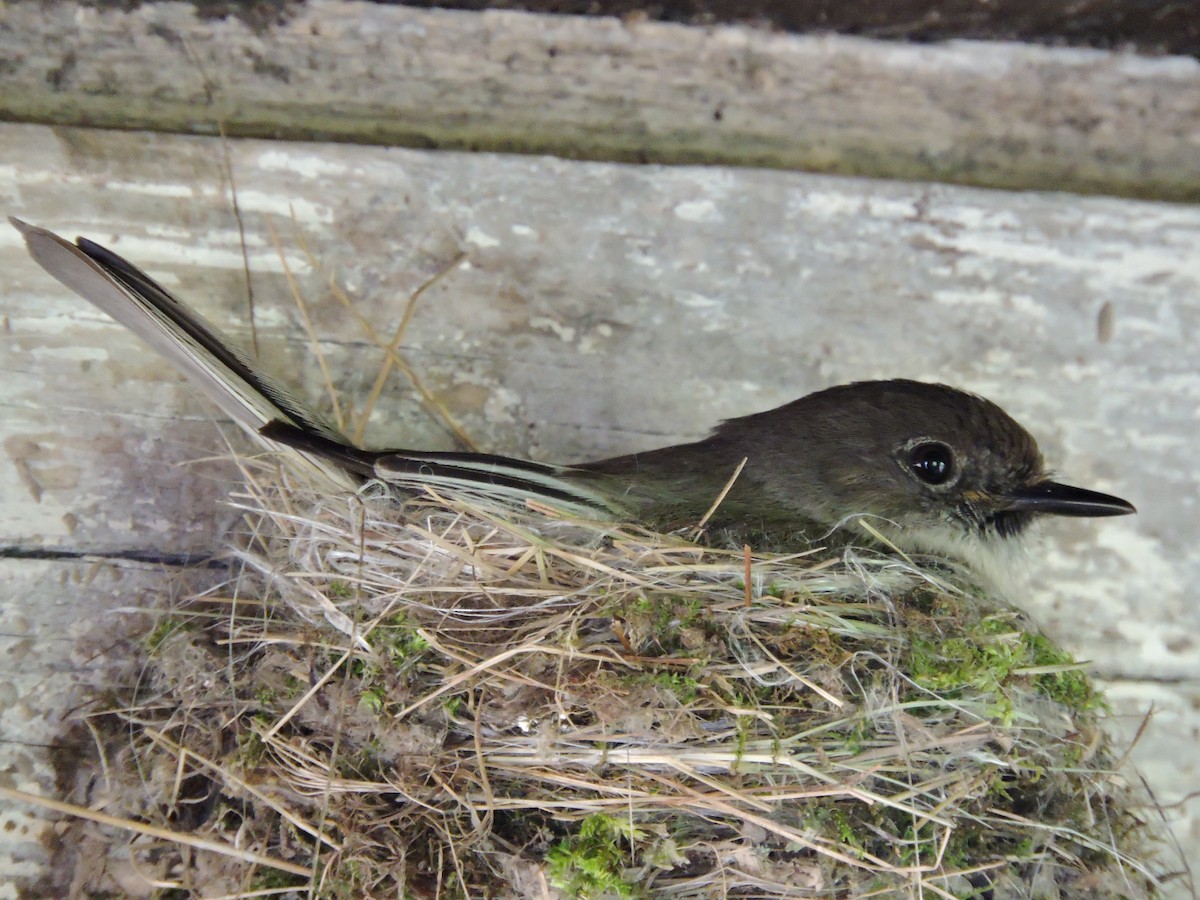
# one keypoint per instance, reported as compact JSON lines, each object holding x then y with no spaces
{"x":268,"y":410}
{"x":197,"y":348}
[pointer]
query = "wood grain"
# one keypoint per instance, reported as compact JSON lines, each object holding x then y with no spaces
{"x":993,"y":114}
{"x":599,"y":308}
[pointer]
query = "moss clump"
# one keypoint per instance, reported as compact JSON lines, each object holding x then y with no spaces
{"x":591,"y":862}
{"x":993,"y":658}
{"x":163,"y":630}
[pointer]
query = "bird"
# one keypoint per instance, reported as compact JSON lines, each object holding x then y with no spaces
{"x":921,"y":467}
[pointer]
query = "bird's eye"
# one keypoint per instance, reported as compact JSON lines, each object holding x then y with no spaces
{"x":932,"y":462}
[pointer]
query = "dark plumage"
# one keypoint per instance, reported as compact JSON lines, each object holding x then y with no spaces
{"x":929,"y":467}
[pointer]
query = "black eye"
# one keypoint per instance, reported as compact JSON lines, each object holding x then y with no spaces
{"x":932,"y":462}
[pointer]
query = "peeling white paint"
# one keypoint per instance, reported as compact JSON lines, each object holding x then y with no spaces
{"x":149,"y":189}
{"x":288,"y":206}
{"x":61,"y":355}
{"x":565,"y":332}
{"x":1028,"y":306}
{"x":221,"y":251}
{"x":693,"y":300}
{"x":696,"y":211}
{"x":982,"y":297}
{"x":1106,"y":265}
{"x":306,"y":165}
{"x":480,"y":238}
{"x":501,"y":406}
{"x":1144,"y":555}
{"x":834,"y":204}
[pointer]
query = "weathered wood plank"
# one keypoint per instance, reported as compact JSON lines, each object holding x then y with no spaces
{"x":604,"y":308}
{"x":991,"y":114}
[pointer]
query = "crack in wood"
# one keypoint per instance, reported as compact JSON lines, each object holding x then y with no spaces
{"x":207,"y":559}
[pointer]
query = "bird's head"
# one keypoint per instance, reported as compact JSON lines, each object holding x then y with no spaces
{"x":932,"y":467}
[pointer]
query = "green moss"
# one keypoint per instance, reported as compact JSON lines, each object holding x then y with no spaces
{"x":401,"y":640}
{"x":660,"y":611}
{"x":989,"y":658}
{"x":164,"y":629}
{"x":892,"y":834}
{"x":373,"y":698}
{"x":1071,"y":687}
{"x":835,"y":820}
{"x":856,"y":737}
{"x":811,"y":642}
{"x":744,"y":732}
{"x":251,"y":748}
{"x":684,"y":687}
{"x":398,"y":651}
{"x":339,"y":590}
{"x":397,"y":642}
{"x":657,"y":622}
{"x":591,"y":863}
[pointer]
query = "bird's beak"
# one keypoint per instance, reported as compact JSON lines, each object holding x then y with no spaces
{"x":1064,"y":500}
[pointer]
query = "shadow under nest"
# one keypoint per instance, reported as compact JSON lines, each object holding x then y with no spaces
{"x":467,"y":696}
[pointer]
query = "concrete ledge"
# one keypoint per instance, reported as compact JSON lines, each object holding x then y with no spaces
{"x":999,"y":115}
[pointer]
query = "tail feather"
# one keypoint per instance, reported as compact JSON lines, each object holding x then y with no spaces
{"x":267,"y":409}
{"x":186,"y":339}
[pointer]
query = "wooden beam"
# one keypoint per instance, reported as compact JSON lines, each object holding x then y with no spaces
{"x":991,"y":114}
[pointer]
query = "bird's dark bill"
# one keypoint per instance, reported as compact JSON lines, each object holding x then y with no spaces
{"x":1065,"y":500}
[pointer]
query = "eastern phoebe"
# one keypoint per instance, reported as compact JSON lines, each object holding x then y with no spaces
{"x":931,"y":468}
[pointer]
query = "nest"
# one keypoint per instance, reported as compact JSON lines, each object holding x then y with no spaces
{"x":461,"y":695}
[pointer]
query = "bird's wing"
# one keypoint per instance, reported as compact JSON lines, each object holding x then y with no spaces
{"x":211,"y":361}
{"x":481,"y":474}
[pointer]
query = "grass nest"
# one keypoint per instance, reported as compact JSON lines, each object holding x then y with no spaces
{"x":459,"y":695}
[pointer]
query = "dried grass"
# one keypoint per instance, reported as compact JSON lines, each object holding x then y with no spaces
{"x":464,"y":696}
